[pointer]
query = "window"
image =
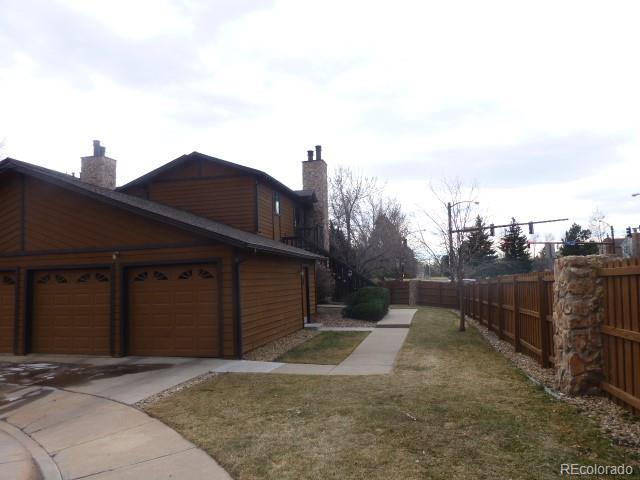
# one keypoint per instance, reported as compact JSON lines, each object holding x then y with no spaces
{"x":276,"y":202}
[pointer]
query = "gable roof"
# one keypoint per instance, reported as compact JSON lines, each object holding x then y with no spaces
{"x":157,"y":211}
{"x":201,"y":156}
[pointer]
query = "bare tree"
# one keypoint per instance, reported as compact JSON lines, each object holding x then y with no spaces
{"x":347,"y":194}
{"x":370,"y":229}
{"x":454,"y":210}
{"x":598,"y":226}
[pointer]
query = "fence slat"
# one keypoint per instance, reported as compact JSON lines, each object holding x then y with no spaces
{"x":542,"y":321}
{"x":516,"y":315}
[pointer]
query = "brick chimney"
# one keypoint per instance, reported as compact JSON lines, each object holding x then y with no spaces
{"x":98,"y":169}
{"x":314,"y":177}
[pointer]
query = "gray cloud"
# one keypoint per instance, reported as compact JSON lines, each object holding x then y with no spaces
{"x":390,"y":122}
{"x":67,"y":44}
{"x":538,"y":161}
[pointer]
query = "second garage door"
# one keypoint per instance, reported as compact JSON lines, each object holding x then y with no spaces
{"x":70,"y":312}
{"x":7,"y":310}
{"x":173,"y":311}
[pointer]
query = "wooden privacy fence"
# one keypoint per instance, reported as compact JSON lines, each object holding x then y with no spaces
{"x":399,"y":291}
{"x":518,"y":308}
{"x":621,"y":332}
{"x":425,"y":293}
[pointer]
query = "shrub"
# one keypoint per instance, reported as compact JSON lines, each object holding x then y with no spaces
{"x":368,"y":303}
{"x":373,"y":310}
{"x":366,"y":294}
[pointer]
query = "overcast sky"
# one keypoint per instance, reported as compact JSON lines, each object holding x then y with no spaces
{"x":536,"y":102}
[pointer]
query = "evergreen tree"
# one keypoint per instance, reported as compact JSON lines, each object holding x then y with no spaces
{"x":577,"y":234}
{"x":515,"y":246}
{"x":479,"y":245}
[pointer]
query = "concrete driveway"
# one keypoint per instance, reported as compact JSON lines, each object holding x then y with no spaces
{"x":73,"y":417}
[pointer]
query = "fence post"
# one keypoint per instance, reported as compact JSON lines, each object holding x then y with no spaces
{"x":489,"y":306}
{"x":500,"y":311}
{"x":544,"y":327}
{"x":516,"y":315}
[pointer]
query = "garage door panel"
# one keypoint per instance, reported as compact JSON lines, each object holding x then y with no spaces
{"x":71,"y":312}
{"x":8,"y":282}
{"x":173,"y":311}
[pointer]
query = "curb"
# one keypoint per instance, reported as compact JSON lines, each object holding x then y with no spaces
{"x":43,"y":465}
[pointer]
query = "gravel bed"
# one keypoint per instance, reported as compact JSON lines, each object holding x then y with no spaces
{"x":143,"y":404}
{"x":615,"y":422}
{"x":271,"y":351}
{"x":332,"y":317}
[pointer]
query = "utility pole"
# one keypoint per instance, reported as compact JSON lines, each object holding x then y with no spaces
{"x":450,"y":241}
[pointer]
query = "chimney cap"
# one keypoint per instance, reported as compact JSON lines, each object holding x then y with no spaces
{"x":310,"y":155}
{"x":318,"y":152}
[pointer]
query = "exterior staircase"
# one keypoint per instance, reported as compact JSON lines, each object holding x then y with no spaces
{"x":346,"y":278}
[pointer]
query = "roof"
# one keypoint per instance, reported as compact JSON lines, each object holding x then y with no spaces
{"x":201,"y":156}
{"x":157,"y":211}
{"x":307,"y":196}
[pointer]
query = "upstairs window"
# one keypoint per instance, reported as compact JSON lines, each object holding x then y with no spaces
{"x":276,"y":202}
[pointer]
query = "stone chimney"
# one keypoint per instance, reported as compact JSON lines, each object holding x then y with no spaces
{"x":314,"y":177}
{"x":98,"y":169}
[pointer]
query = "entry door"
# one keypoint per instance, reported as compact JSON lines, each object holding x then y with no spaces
{"x":173,"y":311}
{"x":7,"y":310}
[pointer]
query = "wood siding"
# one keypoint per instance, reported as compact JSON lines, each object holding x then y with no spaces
{"x":271,"y":299}
{"x":230,"y":200}
{"x":10,"y":212}
{"x":265,"y":210}
{"x":271,"y":225}
{"x":57,"y":219}
{"x":217,"y":192}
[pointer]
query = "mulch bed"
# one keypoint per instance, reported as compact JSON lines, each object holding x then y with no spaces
{"x":615,"y":422}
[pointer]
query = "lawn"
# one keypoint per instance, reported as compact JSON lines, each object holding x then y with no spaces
{"x":453,"y":408}
{"x":327,"y":348}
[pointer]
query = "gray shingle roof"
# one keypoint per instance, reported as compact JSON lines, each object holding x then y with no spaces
{"x":179,"y":218}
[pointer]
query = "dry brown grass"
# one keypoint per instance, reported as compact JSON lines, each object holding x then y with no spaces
{"x":453,"y":408}
{"x":327,"y":348}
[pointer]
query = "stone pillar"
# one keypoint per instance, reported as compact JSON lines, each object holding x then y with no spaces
{"x":579,"y":296}
{"x":414,"y":291}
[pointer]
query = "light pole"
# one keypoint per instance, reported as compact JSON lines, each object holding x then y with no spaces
{"x":459,"y":268}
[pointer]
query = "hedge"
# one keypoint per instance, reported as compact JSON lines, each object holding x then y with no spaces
{"x":368,"y":303}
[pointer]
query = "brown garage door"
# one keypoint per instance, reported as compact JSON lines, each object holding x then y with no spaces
{"x":7,"y":310}
{"x":70,"y":312}
{"x":173,"y":311}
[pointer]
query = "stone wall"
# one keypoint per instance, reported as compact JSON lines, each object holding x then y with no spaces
{"x":579,"y":296}
{"x":314,"y":177}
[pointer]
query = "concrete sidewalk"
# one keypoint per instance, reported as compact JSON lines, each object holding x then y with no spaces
{"x":66,"y":435}
{"x":397,"y":318}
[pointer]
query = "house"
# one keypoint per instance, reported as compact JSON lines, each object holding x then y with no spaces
{"x":199,"y":257}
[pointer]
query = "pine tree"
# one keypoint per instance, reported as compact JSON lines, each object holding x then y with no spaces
{"x":577,"y":234}
{"x":479,"y":244}
{"x":516,"y":249}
